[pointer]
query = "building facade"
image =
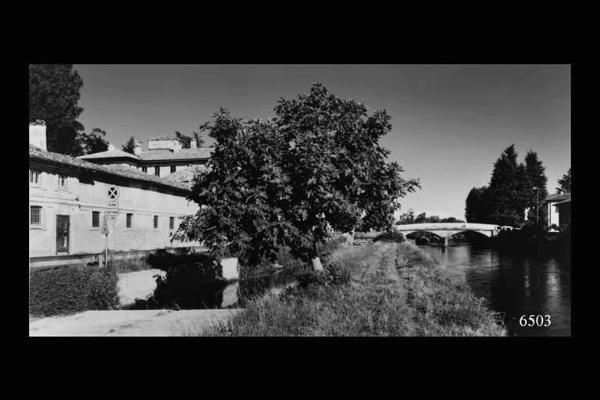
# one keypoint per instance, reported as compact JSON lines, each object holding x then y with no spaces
{"x":558,"y":210}
{"x":82,"y":208}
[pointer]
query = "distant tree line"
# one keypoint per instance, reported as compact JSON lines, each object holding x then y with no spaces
{"x":409,"y":218}
{"x":514,"y":190}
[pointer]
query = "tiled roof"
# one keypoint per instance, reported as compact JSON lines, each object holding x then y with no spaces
{"x":116,"y":170}
{"x":109,"y":154}
{"x":164,"y":137}
{"x":558,"y":197}
{"x":199,"y":153}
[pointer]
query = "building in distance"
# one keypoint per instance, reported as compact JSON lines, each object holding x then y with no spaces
{"x":164,"y":156}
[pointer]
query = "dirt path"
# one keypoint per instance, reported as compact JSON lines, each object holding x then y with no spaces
{"x":131,"y":323}
{"x":381,"y":269}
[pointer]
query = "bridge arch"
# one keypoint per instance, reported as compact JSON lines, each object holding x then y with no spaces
{"x":447,"y":230}
{"x":448,"y":233}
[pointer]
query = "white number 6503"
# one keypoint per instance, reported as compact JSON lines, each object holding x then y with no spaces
{"x":535,"y":320}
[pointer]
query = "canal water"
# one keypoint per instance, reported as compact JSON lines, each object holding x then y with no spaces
{"x":513,"y":285}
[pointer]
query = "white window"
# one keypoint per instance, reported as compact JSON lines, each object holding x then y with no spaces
{"x":95,"y":219}
{"x":62,"y":181}
{"x":34,"y":177}
{"x":35,"y":216}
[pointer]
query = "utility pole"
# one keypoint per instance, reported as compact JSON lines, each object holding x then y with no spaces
{"x":537,"y":206}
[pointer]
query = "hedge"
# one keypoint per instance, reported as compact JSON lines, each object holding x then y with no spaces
{"x":68,"y":290}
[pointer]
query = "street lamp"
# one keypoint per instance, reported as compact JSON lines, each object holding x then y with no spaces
{"x":537,"y":204}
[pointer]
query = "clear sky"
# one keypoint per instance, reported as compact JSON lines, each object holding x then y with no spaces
{"x":449,"y":122}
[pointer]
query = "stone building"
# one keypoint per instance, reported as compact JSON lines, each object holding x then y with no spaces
{"x":77,"y":209}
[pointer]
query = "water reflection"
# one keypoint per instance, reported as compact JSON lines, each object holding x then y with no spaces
{"x":514,"y":286}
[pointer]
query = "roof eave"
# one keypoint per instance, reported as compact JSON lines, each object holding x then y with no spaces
{"x":106,"y":173}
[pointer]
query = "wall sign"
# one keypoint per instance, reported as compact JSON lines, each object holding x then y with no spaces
{"x":112,"y":196}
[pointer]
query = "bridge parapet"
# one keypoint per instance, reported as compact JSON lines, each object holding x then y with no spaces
{"x":448,"y":226}
{"x":447,"y":229}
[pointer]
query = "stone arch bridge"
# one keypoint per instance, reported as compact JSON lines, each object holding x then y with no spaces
{"x":447,"y":229}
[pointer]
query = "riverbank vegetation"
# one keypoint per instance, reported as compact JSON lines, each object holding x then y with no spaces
{"x":68,"y":290}
{"x":382,"y":289}
{"x":536,"y":242}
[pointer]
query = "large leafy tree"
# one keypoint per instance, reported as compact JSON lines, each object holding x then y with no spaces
{"x":565,"y":183}
{"x":93,"y":142}
{"x":54,"y":92}
{"x":316,"y":167}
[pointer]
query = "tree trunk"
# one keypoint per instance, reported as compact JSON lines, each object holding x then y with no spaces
{"x":316,"y":261}
{"x":316,"y":264}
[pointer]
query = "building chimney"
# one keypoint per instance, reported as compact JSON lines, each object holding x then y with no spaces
{"x":137,"y":150}
{"x":176,"y":146}
{"x":193,"y":143}
{"x":37,"y":134}
{"x":111,"y":146}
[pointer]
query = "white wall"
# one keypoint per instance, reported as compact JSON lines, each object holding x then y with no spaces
{"x":552,"y":214}
{"x":79,"y":199}
{"x":162,"y":144}
{"x":37,"y":135}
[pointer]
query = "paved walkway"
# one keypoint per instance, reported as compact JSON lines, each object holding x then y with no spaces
{"x":131,"y":323}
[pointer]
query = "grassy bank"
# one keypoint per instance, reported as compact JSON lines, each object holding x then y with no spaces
{"x":394,"y":290}
{"x":441,"y":306}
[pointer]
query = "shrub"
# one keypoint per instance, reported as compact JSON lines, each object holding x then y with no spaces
{"x":163,"y":259}
{"x":326,"y":249}
{"x":333,"y":274}
{"x":188,"y":287}
{"x":391,"y":236}
{"x":336,"y":274}
{"x":68,"y":290}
